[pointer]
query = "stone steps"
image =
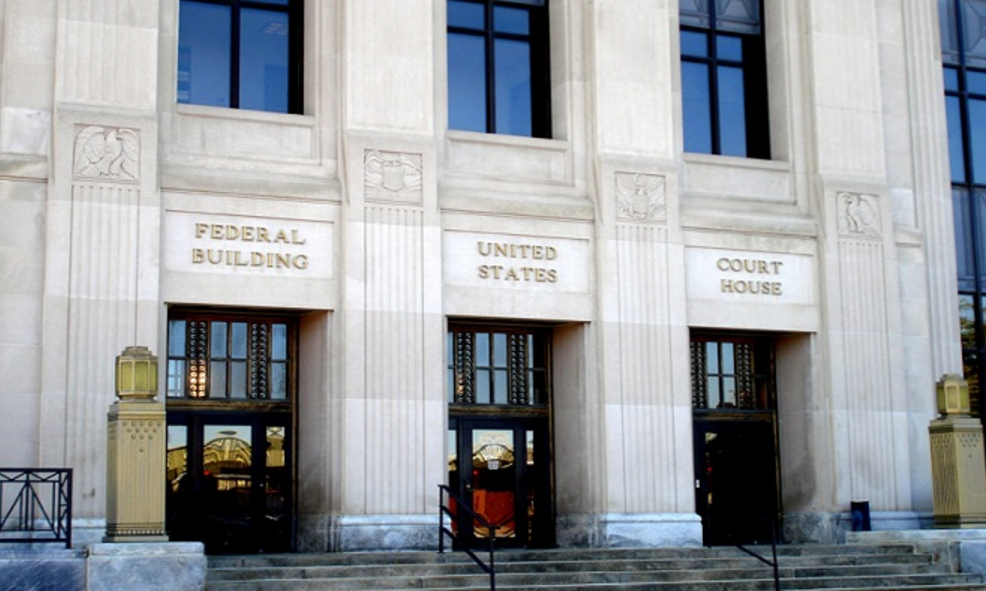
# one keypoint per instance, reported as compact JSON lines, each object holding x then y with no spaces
{"x":855,"y":567}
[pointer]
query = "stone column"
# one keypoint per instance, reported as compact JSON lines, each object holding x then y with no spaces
{"x":391,"y":409}
{"x":135,"y":455}
{"x":957,"y":461}
{"x":644,"y":400}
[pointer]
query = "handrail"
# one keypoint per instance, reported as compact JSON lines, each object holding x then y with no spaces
{"x":774,"y":564}
{"x":443,"y":510}
{"x":36,"y":505}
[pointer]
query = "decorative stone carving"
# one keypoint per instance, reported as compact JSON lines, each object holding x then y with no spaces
{"x":392,"y":176}
{"x":859,"y":215}
{"x":640,"y":197}
{"x":107,"y":154}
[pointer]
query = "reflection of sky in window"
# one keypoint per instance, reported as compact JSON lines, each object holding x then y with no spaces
{"x":263,"y":60}
{"x":513,"y":87}
{"x":177,"y":436}
{"x":696,"y":107}
{"x":203,"y":54}
{"x":466,"y":82}
{"x":955,"y":144}
{"x":466,"y":14}
{"x":977,"y":121}
{"x":732,"y":112}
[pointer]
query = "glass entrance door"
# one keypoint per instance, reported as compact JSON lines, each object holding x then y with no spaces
{"x":229,"y":481}
{"x":500,"y":468}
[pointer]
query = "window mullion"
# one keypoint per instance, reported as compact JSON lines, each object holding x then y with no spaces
{"x":490,"y":71}
{"x":234,"y":58}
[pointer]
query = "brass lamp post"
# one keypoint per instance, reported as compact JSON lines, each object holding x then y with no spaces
{"x":135,"y":466}
{"x":957,"y":462}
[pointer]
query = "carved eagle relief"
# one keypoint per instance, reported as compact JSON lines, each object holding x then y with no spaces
{"x":640,"y":196}
{"x":107,"y":153}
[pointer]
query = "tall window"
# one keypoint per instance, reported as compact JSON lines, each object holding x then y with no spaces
{"x":229,"y":358}
{"x":963,"y":40}
{"x":498,"y":66}
{"x":242,"y":54}
{"x":723,"y":78}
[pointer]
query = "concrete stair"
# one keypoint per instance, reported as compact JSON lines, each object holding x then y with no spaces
{"x":842,"y":567}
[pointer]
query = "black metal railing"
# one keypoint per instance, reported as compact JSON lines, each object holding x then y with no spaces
{"x":773,"y":524}
{"x":36,"y":505}
{"x":445,"y":495}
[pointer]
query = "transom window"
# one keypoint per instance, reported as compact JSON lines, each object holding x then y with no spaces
{"x":230,"y":358}
{"x":732,"y":373}
{"x":963,"y":41}
{"x":497,"y":367}
{"x":723,"y":78}
{"x":242,"y":54}
{"x":498,"y":66}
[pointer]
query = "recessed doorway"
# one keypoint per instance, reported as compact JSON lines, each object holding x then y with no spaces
{"x":735,"y":438}
{"x":231,"y":430}
{"x":499,"y":438}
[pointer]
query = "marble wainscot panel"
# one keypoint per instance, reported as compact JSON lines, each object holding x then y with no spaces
{"x":47,"y":569}
{"x":176,"y":566}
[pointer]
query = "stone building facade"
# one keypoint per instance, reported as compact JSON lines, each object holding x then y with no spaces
{"x":596,"y":336}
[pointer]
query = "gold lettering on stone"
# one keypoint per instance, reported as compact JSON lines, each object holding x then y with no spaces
{"x":765,"y":280}
{"x":232,"y":256}
{"x":529,"y":256}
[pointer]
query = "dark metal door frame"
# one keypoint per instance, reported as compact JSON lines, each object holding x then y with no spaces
{"x":542,"y":528}
{"x":258,"y":532}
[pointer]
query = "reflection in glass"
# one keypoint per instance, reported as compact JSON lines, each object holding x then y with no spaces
{"x":276,"y":484}
{"x":176,"y":338}
{"x":238,"y":379}
{"x":977,"y":121}
{"x":279,"y":342}
{"x":949,"y":31}
{"x":967,"y":320}
{"x":226,"y":458}
{"x":513,"y":87}
{"x":729,"y":47}
{"x":956,"y":155}
{"x":177,"y":457}
{"x":511,"y":20}
{"x":696,"y":108}
{"x":264,"y":60}
{"x":500,"y":388}
{"x":176,"y":378}
{"x":732,"y":112}
{"x":218,"y":339}
{"x":494,"y":480}
{"x":694,"y":44}
{"x":499,"y":349}
{"x":217,"y":381}
{"x":467,"y":15}
{"x":728,"y":358}
{"x":203,"y":54}
{"x":238,"y":343}
{"x":963,"y":237}
{"x":466,"y":82}
{"x":483,"y":386}
{"x":980,"y":208}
